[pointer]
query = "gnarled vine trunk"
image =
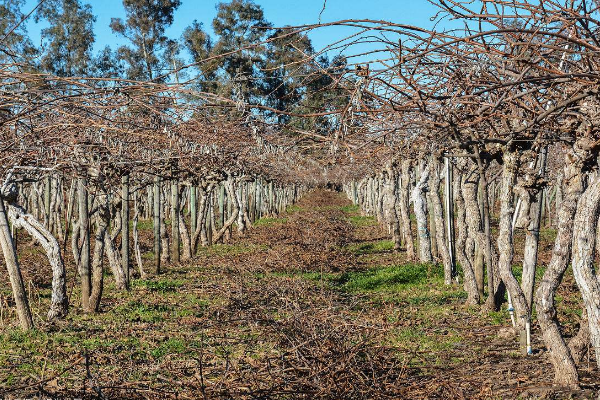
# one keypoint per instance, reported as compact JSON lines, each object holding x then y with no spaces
{"x":14,"y":271}
{"x":565,"y":370}
{"x":392,"y":199}
{"x":470,"y":283}
{"x":584,"y":248}
{"x":406,"y":224}
{"x":438,"y":213}
{"x":102,"y":220}
{"x":59,"y":304}
{"x":505,"y":237}
{"x":420,"y":204}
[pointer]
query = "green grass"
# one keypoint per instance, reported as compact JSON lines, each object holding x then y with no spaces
{"x":382,"y":246}
{"x":498,"y":317}
{"x":161,"y":285}
{"x":547,"y":235}
{"x":362,"y":220}
{"x":170,"y":346}
{"x":325,"y":208}
{"x":136,"y":311}
{"x":231,"y":249}
{"x":293,"y":209}
{"x":143,"y":224}
{"x":414,"y":284}
{"x":351,"y":209}
{"x":390,"y":278}
{"x":518,"y":272}
{"x":419,"y":282}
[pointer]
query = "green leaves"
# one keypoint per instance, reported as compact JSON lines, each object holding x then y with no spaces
{"x":69,"y":39}
{"x":145,"y":27}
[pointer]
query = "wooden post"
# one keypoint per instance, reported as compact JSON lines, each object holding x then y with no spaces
{"x":210,"y":218}
{"x":258,"y":200}
{"x":125,"y":228}
{"x":156,"y":215}
{"x":84,"y":258}
{"x":450,"y":214}
{"x":175,"y":220}
{"x":432,"y":227}
{"x":222,"y":205}
{"x":47,"y":193}
{"x":193,"y":205}
{"x":14,"y":272}
{"x":271,"y":198}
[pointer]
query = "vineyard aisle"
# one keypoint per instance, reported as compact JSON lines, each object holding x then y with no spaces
{"x":313,"y":303}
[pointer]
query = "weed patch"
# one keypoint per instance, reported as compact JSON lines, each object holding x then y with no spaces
{"x":162,"y":285}
{"x":381,"y":246}
{"x":362,"y":220}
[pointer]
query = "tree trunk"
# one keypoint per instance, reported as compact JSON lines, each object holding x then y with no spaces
{"x":59,"y":305}
{"x":584,"y":247}
{"x":185,"y":239}
{"x":233,"y":215}
{"x":192,"y":207}
{"x":392,"y":189}
{"x":136,"y":237}
{"x":69,"y":215}
{"x":210,"y":220}
{"x":14,"y":271}
{"x":565,"y":371}
{"x":532,"y":235}
{"x":406,"y":224}
{"x":578,"y":345}
{"x":239,"y":198}
{"x":165,"y":254}
{"x":473,"y":247}
{"x":84,"y":254}
{"x":432,"y":228}
{"x":200,"y":231}
{"x":470,"y":283}
{"x":222,"y":205}
{"x":420,"y":205}
{"x":47,"y":199}
{"x":97,"y":262}
{"x":438,"y":214}
{"x":112,"y":253}
{"x":505,"y":237}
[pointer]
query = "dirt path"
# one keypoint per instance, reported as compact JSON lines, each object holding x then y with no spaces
{"x":312,"y":304}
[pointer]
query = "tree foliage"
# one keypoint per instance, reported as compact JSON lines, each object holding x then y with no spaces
{"x":16,"y":46}
{"x":145,"y":28}
{"x":69,"y":39}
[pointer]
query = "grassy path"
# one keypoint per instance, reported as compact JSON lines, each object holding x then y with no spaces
{"x":312,"y":304}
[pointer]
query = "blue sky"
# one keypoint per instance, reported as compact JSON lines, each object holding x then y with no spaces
{"x":278,"y":12}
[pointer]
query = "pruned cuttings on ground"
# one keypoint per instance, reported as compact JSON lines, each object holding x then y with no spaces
{"x":238,"y":214}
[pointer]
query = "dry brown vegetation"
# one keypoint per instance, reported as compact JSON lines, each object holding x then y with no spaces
{"x":270,"y":316}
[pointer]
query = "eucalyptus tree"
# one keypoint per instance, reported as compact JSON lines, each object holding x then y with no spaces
{"x":106,"y":64}
{"x":284,"y":70}
{"x":240,"y":26}
{"x":200,"y":46}
{"x":69,"y":38}
{"x":17,"y":47}
{"x":144,"y":27}
{"x":317,"y":111}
